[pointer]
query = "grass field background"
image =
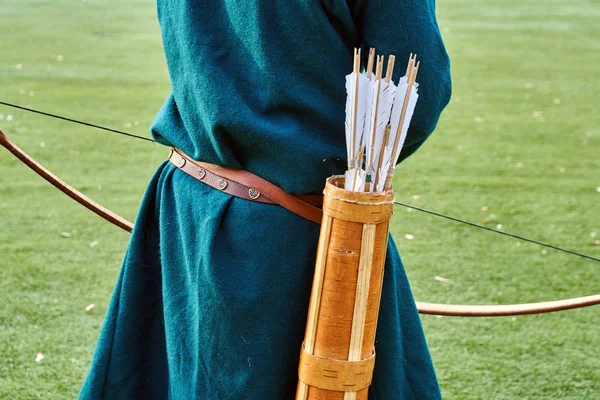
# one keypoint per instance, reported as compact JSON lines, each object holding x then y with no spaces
{"x":518,"y":148}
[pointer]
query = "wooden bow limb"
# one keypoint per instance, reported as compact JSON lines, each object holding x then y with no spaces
{"x":457,"y":310}
{"x":463,"y":310}
{"x":64,"y":187}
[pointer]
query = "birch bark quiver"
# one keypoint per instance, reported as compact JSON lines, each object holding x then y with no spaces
{"x":338,"y":354}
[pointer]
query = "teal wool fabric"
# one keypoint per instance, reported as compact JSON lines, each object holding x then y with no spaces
{"x":212,"y":298}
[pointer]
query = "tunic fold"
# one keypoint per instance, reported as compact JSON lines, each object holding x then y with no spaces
{"x":212,"y":298}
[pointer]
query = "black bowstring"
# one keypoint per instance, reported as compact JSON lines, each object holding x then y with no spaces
{"x":75,"y":121}
{"x":454,"y":219}
{"x":498,"y":232}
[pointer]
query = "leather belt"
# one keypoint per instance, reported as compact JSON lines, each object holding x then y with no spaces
{"x":245,"y":185}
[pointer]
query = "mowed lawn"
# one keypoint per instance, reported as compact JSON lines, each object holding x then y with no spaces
{"x":517,"y":149}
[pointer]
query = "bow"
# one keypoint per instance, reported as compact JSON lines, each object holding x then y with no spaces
{"x":459,"y":310}
{"x":64,"y":187}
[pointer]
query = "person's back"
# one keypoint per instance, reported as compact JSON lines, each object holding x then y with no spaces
{"x":259,"y":84}
{"x":213,"y":295}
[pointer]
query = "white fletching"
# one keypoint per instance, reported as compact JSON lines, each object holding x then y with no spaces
{"x":368,"y":106}
{"x":355,"y":179}
{"x":397,"y":112}
{"x":380,"y":115}
{"x":385,"y":108}
{"x":354,"y":132}
{"x":377,"y":111}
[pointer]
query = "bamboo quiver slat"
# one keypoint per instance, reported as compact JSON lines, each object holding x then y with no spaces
{"x":338,"y":351}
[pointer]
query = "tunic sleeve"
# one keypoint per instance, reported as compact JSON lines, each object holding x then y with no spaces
{"x":402,"y":27}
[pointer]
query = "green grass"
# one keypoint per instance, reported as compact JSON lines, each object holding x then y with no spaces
{"x":520,"y":139}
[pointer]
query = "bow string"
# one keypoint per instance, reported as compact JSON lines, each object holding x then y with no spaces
{"x":461,"y":310}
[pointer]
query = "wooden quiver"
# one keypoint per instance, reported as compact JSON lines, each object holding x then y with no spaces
{"x":338,"y":354}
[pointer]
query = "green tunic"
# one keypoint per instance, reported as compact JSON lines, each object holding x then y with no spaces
{"x":212,"y":298}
